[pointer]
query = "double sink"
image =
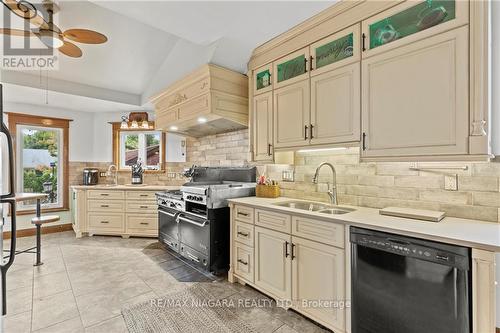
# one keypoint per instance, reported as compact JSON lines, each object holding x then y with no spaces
{"x":315,"y":207}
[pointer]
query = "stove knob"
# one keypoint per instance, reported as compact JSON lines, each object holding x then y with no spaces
{"x":198,"y":199}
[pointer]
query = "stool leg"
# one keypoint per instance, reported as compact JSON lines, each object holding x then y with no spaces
{"x":38,"y":245}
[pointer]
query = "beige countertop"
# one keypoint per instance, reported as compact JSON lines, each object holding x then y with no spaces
{"x":470,"y":233}
{"x":126,"y":187}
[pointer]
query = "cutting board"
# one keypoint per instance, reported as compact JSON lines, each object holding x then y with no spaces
{"x":418,"y":214}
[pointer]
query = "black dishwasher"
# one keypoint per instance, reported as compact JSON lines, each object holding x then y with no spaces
{"x":408,"y":285}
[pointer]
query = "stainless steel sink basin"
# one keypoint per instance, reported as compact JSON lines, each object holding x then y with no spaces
{"x":303,"y":205}
{"x":336,"y":211}
{"x":316,"y":207}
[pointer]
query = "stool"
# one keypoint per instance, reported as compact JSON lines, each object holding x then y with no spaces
{"x":38,"y":221}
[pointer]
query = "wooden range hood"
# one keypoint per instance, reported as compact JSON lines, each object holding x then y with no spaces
{"x":209,"y":101}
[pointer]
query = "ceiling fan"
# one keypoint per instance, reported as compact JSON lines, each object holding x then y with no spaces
{"x":48,"y":32}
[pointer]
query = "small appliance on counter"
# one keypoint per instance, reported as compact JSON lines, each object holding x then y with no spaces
{"x":90,"y":176}
{"x":137,"y":172}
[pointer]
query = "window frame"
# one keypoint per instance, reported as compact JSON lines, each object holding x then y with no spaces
{"x":117,"y":148}
{"x":15,"y":119}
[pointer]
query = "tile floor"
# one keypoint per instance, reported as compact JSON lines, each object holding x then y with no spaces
{"x":85,"y":282}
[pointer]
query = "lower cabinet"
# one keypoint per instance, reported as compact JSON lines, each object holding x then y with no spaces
{"x":318,"y":281}
{"x":305,"y":273}
{"x":272,"y":263}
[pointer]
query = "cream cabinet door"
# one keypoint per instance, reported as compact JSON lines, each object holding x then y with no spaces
{"x":272,"y":263}
{"x":415,"y":98}
{"x":291,"y":68}
{"x":336,"y":106}
{"x":318,"y":275}
{"x":291,"y":115}
{"x":263,"y":127}
{"x":262,"y":79}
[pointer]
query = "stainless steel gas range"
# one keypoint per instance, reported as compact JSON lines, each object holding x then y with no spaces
{"x":194,"y":221}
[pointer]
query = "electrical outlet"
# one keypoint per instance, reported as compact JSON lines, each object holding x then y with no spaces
{"x":102,"y":174}
{"x":451,"y":182}
{"x":171,"y":174}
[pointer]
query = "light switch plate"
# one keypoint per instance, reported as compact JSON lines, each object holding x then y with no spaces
{"x":171,"y":174}
{"x":451,"y":182}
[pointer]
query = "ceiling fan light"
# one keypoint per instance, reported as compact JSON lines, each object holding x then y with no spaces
{"x":51,"y":39}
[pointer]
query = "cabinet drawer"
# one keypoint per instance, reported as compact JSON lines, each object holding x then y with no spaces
{"x":148,"y":207}
{"x":106,"y":206}
{"x":243,"y":233}
{"x":275,"y":221}
{"x":106,"y":222}
{"x":140,"y":195}
{"x":243,"y":214}
{"x":142,"y":224}
{"x":243,"y":261}
{"x":102,"y":194}
{"x":320,"y":231}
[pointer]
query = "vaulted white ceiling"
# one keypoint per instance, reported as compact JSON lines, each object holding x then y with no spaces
{"x":153,"y":43}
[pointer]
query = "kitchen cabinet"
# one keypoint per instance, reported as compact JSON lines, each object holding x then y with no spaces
{"x":263,"y":79}
{"x":263,"y":126}
{"x":318,"y":273}
{"x":118,"y":211}
{"x":291,"y":68}
{"x":336,"y":106}
{"x":422,"y":116}
{"x":340,"y":49}
{"x":272,"y":263}
{"x":411,"y":21}
{"x":291,"y":115}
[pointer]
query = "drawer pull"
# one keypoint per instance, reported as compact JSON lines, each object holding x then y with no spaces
{"x":144,"y":223}
{"x":242,"y":262}
{"x":244,"y":234}
{"x":243,"y":214}
{"x":105,"y":194}
{"x":104,"y":206}
{"x":144,"y":206}
{"x":105,"y":222}
{"x":144,"y":195}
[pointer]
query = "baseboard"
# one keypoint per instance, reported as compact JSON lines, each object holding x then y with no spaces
{"x":45,"y":230}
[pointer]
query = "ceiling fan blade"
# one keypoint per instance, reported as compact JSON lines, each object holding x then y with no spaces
{"x":71,"y":50}
{"x":16,"y":32}
{"x":26,"y":11}
{"x":85,"y":36}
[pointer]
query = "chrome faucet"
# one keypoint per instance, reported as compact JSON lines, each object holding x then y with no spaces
{"x":332,"y":192}
{"x":115,"y":173}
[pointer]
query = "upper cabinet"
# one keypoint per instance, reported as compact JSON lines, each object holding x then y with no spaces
{"x":335,"y":51}
{"x":412,"y":21}
{"x":263,"y":126}
{"x":208,"y":101}
{"x":262,"y":78}
{"x":406,"y":80}
{"x":415,"y":98}
{"x":291,"y":68}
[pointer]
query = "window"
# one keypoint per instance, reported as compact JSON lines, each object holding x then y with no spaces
{"x":131,"y":146}
{"x":41,"y":146}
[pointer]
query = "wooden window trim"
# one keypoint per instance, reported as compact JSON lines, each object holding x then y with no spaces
{"x":15,"y":119}
{"x":116,"y":146}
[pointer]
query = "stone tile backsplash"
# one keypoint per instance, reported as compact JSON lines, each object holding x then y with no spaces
{"x":375,"y":185}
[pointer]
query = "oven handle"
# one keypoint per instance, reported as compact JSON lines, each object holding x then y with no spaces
{"x":182,"y":218}
{"x":167,"y":213}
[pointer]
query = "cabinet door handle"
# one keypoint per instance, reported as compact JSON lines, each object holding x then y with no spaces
{"x":285,"y":249}
{"x":305,"y":131}
{"x":243,"y":214}
{"x":242,"y":262}
{"x":269,"y":146}
{"x":311,"y":63}
{"x":311,"y":131}
{"x":363,"y":37}
{"x":305,"y":65}
{"x":364,"y":141}
{"x":293,"y":251}
{"x":244,"y":234}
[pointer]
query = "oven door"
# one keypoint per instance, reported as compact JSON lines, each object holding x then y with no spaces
{"x":168,"y":228}
{"x":194,"y":232}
